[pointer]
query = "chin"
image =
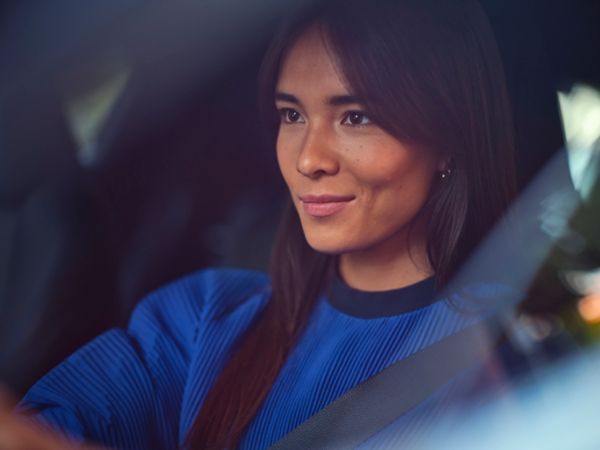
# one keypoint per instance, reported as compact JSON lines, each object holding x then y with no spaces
{"x":331,"y":239}
{"x":328,"y":246}
{"x":327,"y":250}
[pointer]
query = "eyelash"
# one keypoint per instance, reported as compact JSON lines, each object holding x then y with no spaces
{"x":360,"y":115}
{"x":285,"y":112}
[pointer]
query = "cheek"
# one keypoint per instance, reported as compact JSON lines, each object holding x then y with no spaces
{"x":378,"y":171}
{"x":398,"y":177}
{"x":285,"y":160}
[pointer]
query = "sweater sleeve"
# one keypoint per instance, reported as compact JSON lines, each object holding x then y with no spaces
{"x":124,"y":388}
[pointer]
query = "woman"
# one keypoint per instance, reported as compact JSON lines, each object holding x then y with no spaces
{"x":392,"y":130}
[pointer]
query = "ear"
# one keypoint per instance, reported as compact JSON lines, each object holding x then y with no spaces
{"x":444,"y":164}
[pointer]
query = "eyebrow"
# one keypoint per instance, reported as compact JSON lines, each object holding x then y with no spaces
{"x":340,"y":100}
{"x":336,"y":100}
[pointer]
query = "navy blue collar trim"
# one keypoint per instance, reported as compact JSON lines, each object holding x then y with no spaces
{"x":369,"y":305}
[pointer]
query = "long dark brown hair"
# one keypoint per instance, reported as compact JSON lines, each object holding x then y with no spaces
{"x":430,"y":74}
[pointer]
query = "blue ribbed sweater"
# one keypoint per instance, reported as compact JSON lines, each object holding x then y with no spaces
{"x":141,"y":388}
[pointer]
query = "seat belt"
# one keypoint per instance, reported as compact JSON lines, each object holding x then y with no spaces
{"x":377,"y":402}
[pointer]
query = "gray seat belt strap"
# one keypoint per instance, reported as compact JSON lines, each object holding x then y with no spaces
{"x":377,"y":402}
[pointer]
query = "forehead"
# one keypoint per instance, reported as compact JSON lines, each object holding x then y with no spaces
{"x":310,"y":66}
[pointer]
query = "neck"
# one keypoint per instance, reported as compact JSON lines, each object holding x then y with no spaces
{"x":393,"y":264}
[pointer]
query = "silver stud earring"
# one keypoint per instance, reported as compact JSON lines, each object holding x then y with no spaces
{"x":445,"y":174}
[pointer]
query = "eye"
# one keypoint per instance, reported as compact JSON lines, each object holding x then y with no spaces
{"x":289,"y":115}
{"x":356,"y":118}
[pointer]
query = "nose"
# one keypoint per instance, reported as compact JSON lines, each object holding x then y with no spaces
{"x":317,"y":156}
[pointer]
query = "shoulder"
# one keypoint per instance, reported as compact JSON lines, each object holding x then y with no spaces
{"x":199,"y":297}
{"x":206,"y":293}
{"x":482,"y":298}
{"x":129,"y":384}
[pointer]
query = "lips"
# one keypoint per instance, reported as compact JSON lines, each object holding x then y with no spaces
{"x":324,"y":205}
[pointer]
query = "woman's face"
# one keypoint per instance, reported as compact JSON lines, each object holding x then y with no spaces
{"x":355,"y":187}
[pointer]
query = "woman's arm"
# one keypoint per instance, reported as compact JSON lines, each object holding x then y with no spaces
{"x":124,"y":388}
{"x":20,"y":433}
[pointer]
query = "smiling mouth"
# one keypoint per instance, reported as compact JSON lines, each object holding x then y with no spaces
{"x":324,"y":205}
